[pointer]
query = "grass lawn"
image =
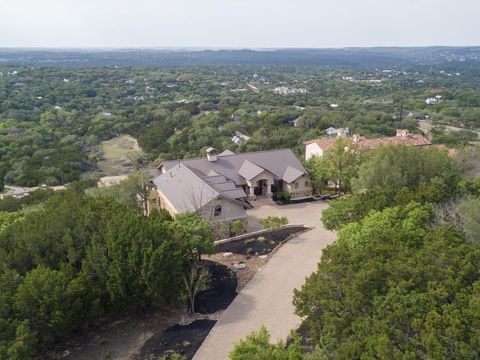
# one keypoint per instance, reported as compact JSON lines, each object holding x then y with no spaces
{"x":121,"y":148}
{"x":119,"y":154}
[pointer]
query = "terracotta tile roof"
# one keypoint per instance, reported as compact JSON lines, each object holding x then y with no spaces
{"x":408,"y":140}
{"x":324,"y":143}
{"x":364,"y":143}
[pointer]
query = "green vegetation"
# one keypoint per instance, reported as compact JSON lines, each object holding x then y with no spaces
{"x":59,"y":123}
{"x":257,"y":346}
{"x":402,"y":280}
{"x":78,"y":258}
{"x":393,"y":287}
{"x":238,"y":227}
{"x":274,"y":222}
{"x":392,"y":176}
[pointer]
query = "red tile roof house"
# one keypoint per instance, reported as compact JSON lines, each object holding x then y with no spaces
{"x":316,"y":147}
{"x":220,"y":187}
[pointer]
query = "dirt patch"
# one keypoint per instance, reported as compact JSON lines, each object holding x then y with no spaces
{"x":184,"y":339}
{"x":221,"y":291}
{"x":260,"y":244}
{"x":119,"y":339}
{"x":253,"y":265}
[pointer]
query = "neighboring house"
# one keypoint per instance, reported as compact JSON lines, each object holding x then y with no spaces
{"x":404,"y":115}
{"x":431,"y":101}
{"x":222,"y":186}
{"x":331,"y":131}
{"x":295,"y":122}
{"x":240,"y":138}
{"x":19,"y":192}
{"x":111,"y":180}
{"x":403,"y":137}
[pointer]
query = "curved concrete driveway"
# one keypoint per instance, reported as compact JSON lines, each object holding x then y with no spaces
{"x":267,"y":298}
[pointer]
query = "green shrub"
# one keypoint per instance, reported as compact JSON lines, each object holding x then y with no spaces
{"x":281,"y":197}
{"x":238,"y":227}
{"x":274,"y":222}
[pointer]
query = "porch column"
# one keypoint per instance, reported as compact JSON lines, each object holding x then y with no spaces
{"x":252,"y":190}
{"x":269,"y":188}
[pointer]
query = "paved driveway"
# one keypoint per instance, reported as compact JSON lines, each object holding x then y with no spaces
{"x":267,"y":298}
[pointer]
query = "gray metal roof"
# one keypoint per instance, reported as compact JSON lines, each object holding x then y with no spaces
{"x":291,"y":174}
{"x":274,"y":161}
{"x":184,"y":190}
{"x":187,"y":191}
{"x":249,"y":170}
{"x":226,"y":153}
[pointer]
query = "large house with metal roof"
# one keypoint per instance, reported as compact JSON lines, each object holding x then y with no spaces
{"x":222,"y":186}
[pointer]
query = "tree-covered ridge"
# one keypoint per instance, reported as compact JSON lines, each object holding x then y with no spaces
{"x":52,"y":120}
{"x":78,"y":258}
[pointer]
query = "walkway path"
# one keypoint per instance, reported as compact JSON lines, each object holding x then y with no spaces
{"x":267,"y":298}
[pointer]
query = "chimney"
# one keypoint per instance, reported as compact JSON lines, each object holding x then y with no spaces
{"x":211,"y":154}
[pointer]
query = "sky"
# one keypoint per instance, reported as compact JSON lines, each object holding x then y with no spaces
{"x":238,"y":23}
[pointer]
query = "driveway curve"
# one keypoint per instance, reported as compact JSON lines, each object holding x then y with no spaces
{"x":267,"y":298}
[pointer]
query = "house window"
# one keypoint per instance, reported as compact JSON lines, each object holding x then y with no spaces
{"x":296,"y":185}
{"x":306,"y":183}
{"x":217,"y":211}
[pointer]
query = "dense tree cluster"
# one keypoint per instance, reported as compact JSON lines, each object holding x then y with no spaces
{"x":394,"y":287}
{"x":78,"y":258}
{"x":394,"y":175}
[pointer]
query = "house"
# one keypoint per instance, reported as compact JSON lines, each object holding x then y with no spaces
{"x":222,"y":186}
{"x":331,"y":131}
{"x":404,"y":114}
{"x":317,"y":147}
{"x":431,"y":101}
{"x":236,"y":140}
{"x":295,"y":122}
{"x":111,"y":180}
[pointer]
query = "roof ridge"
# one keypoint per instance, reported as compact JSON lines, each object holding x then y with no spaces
{"x":199,"y":178}
{"x":235,"y":154}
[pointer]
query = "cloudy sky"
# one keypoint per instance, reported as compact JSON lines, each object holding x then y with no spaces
{"x":238,"y":23}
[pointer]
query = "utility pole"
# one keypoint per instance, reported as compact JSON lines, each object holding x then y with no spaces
{"x":401,"y":110}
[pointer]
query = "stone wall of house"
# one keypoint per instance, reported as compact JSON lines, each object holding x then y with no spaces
{"x":157,"y":200}
{"x":301,"y":187}
{"x":263,"y":176}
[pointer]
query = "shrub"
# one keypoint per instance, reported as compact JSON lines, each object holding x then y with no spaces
{"x":238,"y":227}
{"x":274,"y":222}
{"x":281,"y":197}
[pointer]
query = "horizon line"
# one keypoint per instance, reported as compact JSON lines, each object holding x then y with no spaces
{"x":201,"y":48}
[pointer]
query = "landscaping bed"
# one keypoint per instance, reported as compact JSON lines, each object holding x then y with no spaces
{"x":293,"y":201}
{"x":260,"y":244}
{"x":183,"y":339}
{"x":221,"y":291}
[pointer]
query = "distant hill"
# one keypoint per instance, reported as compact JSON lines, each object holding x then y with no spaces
{"x":344,"y":57}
